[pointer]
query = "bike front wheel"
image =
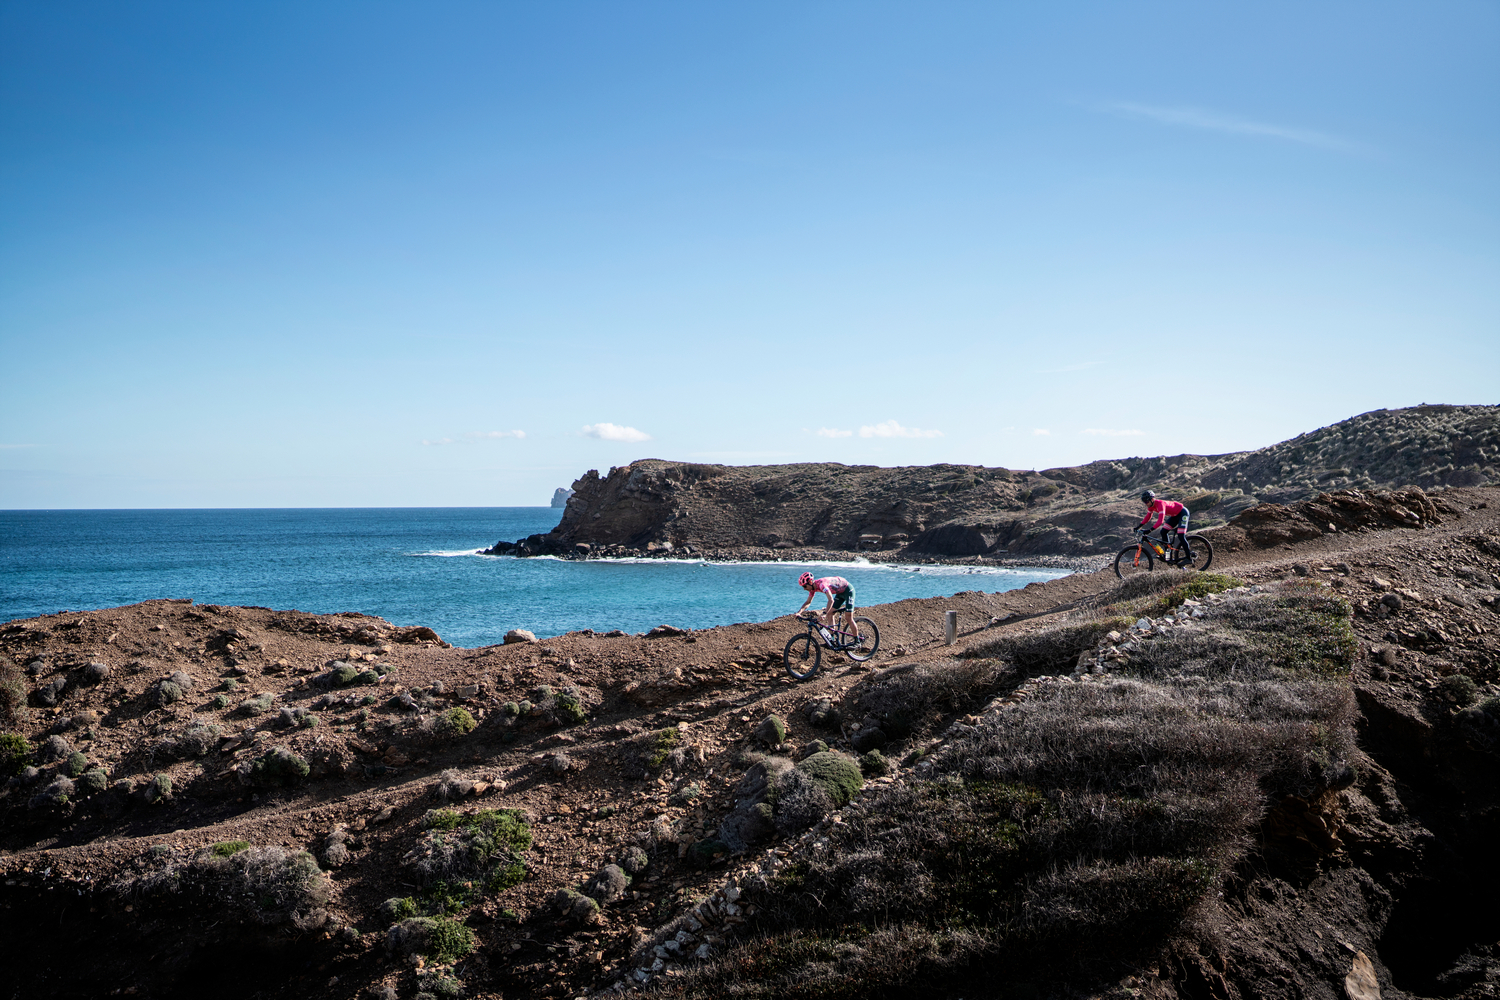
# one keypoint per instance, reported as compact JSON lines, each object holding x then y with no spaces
{"x":1133,"y":560}
{"x":1203,"y":552}
{"x":869,"y":641}
{"x":802,"y":656}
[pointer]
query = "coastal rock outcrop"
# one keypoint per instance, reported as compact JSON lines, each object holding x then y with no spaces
{"x":1321,"y":481}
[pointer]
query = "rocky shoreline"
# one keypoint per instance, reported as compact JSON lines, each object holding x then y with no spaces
{"x":656,"y":508}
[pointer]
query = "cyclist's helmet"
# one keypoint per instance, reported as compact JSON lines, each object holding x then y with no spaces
{"x":1148,"y":496}
{"x":805,"y":580}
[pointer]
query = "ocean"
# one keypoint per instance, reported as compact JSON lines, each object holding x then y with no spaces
{"x":412,"y":566}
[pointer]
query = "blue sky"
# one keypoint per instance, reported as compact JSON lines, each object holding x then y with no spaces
{"x":339,"y":254}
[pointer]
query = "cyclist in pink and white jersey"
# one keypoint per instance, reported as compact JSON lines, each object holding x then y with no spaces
{"x":840,"y":596}
{"x":1166,"y":514}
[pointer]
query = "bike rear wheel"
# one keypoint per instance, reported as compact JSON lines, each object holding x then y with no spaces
{"x":1203,"y":552}
{"x":869,"y":641}
{"x":1133,"y":560}
{"x":802,"y":656}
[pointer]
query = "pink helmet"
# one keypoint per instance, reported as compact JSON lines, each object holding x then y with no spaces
{"x":804,"y":580}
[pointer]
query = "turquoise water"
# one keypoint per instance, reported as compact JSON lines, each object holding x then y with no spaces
{"x":411,"y":566}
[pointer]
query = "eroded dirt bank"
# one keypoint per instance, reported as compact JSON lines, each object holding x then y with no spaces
{"x":645,"y":812}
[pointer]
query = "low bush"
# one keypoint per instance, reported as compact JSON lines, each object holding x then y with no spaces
{"x":569,"y":709}
{"x":159,"y":790}
{"x":13,"y":710}
{"x":196,"y":741}
{"x":1050,"y":651}
{"x":486,"y":846}
{"x":1198,"y":586}
{"x":836,"y":774}
{"x":1460,"y":689}
{"x":76,"y":764}
{"x":874,"y":765}
{"x":278,"y":768}
{"x":15,"y":751}
{"x":220,"y":702}
{"x":454,"y":722}
{"x":225,"y":848}
{"x":912,"y":697}
{"x":92,"y":782}
{"x":256,"y":885}
{"x":257,"y":705}
{"x":166,"y":693}
{"x":441,"y":940}
{"x":657,"y":747}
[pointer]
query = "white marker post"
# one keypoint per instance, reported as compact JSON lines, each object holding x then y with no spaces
{"x":950,"y":628}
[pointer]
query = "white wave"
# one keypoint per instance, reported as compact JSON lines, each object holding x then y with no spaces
{"x":861,"y":564}
{"x":934,"y":569}
{"x":450,"y":555}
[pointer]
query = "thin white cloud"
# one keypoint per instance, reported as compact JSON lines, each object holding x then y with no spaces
{"x":497,"y":434}
{"x":614,"y":432}
{"x":437,"y":441}
{"x":1213,"y":121}
{"x":891,"y":429}
{"x":1041,"y":430}
{"x":832,"y":432}
{"x":1110,"y":432}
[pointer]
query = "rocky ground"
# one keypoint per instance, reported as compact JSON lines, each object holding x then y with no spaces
{"x":953,"y":512}
{"x":590,"y":812}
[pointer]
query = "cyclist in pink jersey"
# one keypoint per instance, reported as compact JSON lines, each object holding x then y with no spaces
{"x":840,"y":596}
{"x":1166,"y":514}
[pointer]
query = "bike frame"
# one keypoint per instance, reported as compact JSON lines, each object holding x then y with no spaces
{"x":1144,"y":538}
{"x":817,"y":629}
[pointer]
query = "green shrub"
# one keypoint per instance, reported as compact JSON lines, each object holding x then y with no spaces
{"x":443,"y":941}
{"x":225,"y":848}
{"x":343,"y":675}
{"x":278,"y":768}
{"x":160,"y":789}
{"x":837,"y":775}
{"x":77,"y":763}
{"x":399,"y":908}
{"x":230,"y":685}
{"x":511,"y":708}
{"x":92,"y":782}
{"x":1459,"y":689}
{"x":13,"y":710}
{"x":15,"y":751}
{"x":168,"y":693}
{"x":220,"y":701}
{"x":442,"y":819}
{"x":485,"y":845}
{"x":1198,"y":587}
{"x":455,"y":722}
{"x":365,"y":677}
{"x":569,"y":709}
{"x":874,"y":765}
{"x":258,"y":705}
{"x":659,"y":747}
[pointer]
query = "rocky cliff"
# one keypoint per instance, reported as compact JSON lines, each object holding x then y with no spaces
{"x":657,"y":506}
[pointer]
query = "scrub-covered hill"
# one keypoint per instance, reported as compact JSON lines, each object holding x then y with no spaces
{"x":667,"y":508}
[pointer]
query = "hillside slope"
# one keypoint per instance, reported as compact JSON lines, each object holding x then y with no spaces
{"x":660,"y":507}
{"x":1182,"y":786}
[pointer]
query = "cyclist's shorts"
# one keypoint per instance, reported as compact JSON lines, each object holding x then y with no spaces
{"x":844,"y":601}
{"x":1180,"y":522}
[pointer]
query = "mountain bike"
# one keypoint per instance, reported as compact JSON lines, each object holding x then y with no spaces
{"x":804,"y":653}
{"x":1147,"y":551}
